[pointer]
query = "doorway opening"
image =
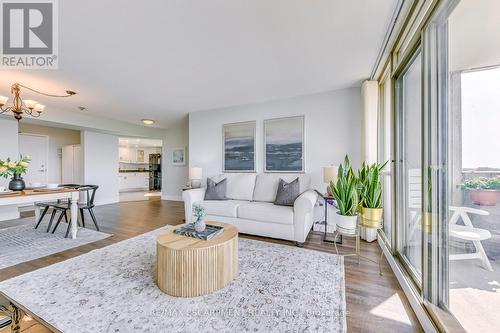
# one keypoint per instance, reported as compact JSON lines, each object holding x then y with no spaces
{"x":140,"y":169}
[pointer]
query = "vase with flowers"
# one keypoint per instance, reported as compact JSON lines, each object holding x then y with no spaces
{"x":15,"y":169}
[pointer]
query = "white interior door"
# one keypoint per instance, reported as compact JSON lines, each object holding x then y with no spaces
{"x":36,"y":147}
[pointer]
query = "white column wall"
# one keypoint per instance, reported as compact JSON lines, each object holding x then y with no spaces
{"x":100,"y":165}
{"x":369,"y":107}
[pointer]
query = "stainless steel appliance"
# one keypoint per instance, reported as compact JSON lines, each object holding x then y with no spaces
{"x":154,"y":172}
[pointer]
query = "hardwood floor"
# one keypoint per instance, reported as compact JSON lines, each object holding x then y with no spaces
{"x":374,"y":303}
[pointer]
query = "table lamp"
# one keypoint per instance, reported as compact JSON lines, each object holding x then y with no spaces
{"x":195,"y":176}
{"x":329,"y":175}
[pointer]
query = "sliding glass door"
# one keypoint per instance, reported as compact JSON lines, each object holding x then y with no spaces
{"x":462,"y":80}
{"x":446,"y":223}
{"x":409,"y":167}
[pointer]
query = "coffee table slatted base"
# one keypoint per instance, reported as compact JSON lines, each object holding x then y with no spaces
{"x":191,"y":272}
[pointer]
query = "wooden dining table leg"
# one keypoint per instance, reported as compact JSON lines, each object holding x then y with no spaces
{"x":74,"y":214}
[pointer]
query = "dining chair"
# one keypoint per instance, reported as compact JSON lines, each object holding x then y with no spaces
{"x":47,"y":205}
{"x":88,"y":204}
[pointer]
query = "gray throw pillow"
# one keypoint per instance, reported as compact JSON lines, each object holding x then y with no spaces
{"x":287,"y":192}
{"x":216,"y":191}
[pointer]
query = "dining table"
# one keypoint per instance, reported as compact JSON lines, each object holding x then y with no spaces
{"x":34,"y":196}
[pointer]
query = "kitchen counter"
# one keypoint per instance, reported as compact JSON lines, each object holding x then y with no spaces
{"x":131,"y":170}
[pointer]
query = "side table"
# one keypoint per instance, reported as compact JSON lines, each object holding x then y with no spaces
{"x":357,"y":252}
{"x":327,"y":198}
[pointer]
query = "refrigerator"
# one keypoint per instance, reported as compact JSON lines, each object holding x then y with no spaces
{"x":154,"y":172}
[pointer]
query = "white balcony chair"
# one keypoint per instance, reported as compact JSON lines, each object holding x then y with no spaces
{"x":470,"y":233}
{"x":463,"y":232}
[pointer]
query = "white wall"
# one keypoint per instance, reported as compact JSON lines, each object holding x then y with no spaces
{"x":174,"y":177}
{"x":8,"y":148}
{"x":332,"y":121}
{"x":58,"y":137}
{"x":100,"y":165}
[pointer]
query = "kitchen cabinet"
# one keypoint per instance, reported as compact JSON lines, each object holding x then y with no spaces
{"x":133,"y":180}
{"x":137,"y":155}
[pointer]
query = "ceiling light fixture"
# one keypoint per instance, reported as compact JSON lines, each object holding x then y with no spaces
{"x":27,"y":106}
{"x":148,"y":121}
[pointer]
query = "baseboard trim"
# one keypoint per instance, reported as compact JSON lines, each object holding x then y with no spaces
{"x":107,"y":202}
{"x":415,"y":303}
{"x":171,"y":197}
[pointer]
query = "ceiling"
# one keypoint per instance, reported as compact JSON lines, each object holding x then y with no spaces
{"x":471,"y":27}
{"x":135,"y":142}
{"x":161,"y":59}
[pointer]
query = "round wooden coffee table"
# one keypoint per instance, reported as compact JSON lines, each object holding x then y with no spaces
{"x":190,"y":267}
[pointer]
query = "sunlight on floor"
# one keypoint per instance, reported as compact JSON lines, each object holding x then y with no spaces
{"x":391,"y":309}
{"x":475,"y":295}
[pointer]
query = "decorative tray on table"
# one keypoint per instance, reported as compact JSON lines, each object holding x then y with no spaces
{"x":210,"y":231}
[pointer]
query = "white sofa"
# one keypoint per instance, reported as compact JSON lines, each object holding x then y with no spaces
{"x":251,"y":208}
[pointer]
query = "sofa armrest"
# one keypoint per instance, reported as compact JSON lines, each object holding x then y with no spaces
{"x":190,"y":197}
{"x":303,"y":214}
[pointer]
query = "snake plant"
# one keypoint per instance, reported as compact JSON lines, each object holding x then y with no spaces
{"x":345,"y":190}
{"x":369,"y":185}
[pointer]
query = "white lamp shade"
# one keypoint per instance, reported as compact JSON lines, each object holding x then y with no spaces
{"x":3,"y":100}
{"x":195,"y":173}
{"x":330,"y":174}
{"x":30,"y":104}
{"x":39,"y":108}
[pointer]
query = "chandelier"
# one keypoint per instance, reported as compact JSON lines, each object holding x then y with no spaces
{"x":27,"y":106}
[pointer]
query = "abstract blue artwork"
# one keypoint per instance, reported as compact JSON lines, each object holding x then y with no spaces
{"x":284,"y":144}
{"x":239,"y":147}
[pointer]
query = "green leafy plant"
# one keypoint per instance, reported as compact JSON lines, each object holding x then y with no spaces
{"x":369,"y":185}
{"x":482,"y":183}
{"x":10,"y":167}
{"x":198,"y":211}
{"x":345,"y":190}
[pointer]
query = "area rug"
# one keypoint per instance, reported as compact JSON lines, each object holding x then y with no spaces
{"x":23,"y":242}
{"x":279,"y":289}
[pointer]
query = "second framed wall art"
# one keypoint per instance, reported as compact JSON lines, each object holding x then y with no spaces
{"x":284,"y":144}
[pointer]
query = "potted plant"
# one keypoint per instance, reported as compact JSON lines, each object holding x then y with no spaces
{"x":15,"y":170}
{"x":483,"y":191}
{"x":346,"y":195}
{"x":370,"y":189}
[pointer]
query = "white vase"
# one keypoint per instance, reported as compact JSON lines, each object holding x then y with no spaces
{"x":346,"y":224}
{"x":199,"y":225}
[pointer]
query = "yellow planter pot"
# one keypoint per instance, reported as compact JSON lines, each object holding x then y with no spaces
{"x":371,"y":217}
{"x":429,"y":219}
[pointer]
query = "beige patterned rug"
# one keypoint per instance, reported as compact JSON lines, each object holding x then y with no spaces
{"x":279,"y":289}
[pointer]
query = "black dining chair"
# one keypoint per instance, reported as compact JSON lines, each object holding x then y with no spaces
{"x":47,"y":205}
{"x":89,"y":205}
